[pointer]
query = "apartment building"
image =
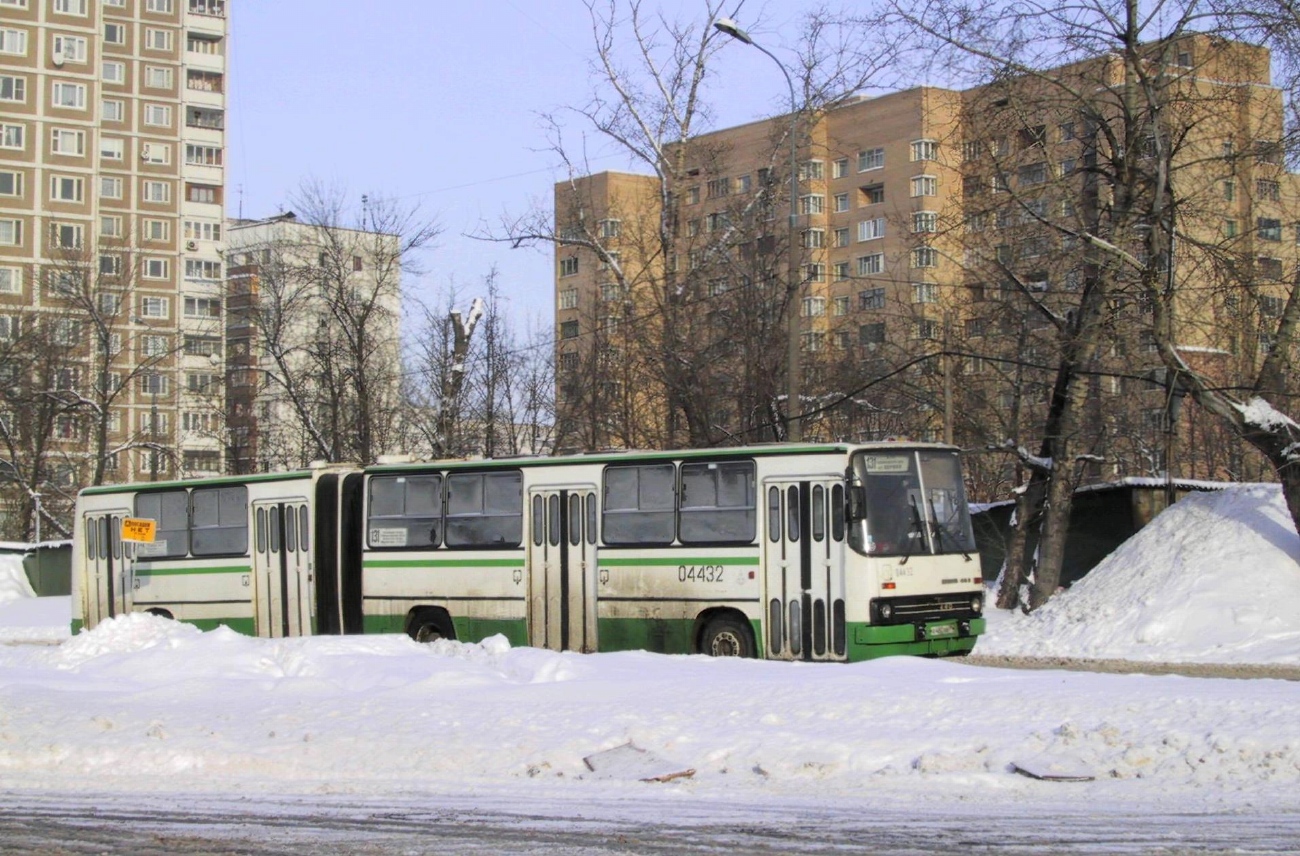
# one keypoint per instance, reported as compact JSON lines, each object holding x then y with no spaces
{"x":111,"y":223}
{"x":931,"y":243}
{"x":313,"y":337}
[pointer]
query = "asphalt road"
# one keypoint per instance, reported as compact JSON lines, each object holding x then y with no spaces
{"x":151,"y":826}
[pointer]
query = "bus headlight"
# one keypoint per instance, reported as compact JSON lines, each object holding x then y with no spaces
{"x":886,"y":611}
{"x":976,"y":604}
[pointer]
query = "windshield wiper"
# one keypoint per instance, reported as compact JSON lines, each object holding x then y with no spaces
{"x":940,"y":531}
{"x":915,"y":530}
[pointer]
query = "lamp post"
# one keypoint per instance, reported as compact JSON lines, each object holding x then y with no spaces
{"x":794,"y":426}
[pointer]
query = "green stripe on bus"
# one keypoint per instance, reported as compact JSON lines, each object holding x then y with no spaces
{"x":443,"y":563}
{"x":190,"y":569}
{"x":687,"y":560}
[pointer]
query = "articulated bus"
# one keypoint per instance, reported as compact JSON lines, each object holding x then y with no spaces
{"x":838,"y":552}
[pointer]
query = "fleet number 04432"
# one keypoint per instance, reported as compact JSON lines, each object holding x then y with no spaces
{"x":699,"y":573}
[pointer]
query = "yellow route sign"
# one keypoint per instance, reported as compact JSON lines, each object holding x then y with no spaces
{"x":139,"y":529}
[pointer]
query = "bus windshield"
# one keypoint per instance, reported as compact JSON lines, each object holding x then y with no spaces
{"x":915,"y":503}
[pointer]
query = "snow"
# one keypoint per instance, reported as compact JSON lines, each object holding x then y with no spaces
{"x":1216,"y":579}
{"x":145,"y":705}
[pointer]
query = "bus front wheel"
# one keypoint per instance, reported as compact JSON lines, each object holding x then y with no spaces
{"x":727,"y":637}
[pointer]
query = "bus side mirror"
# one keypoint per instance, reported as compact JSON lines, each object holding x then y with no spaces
{"x":857,"y":502}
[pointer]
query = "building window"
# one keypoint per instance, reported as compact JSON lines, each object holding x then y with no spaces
{"x":156,"y":230}
{"x":110,"y":187}
{"x":924,"y":328}
{"x":66,"y":236}
{"x":11,"y":233}
{"x":569,"y":330}
{"x":158,"y":115}
{"x":115,"y":34}
{"x":814,"y":239}
{"x":9,"y":328}
{"x":841,"y":271}
{"x":925,"y":185}
{"x":202,"y":230}
{"x":814,"y":273}
{"x":162,"y":7}
{"x":156,"y":153}
{"x":155,"y":191}
{"x":872,"y":264}
{"x":203,"y":306}
{"x":11,"y":183}
{"x":873,"y":194}
{"x":840,"y":237}
{"x":203,"y":44}
{"x":840,"y":168}
{"x":813,"y":307}
{"x":14,"y":41}
{"x":719,"y":187}
{"x":871,"y":298}
{"x":871,"y":159}
{"x":153,"y":383}
{"x":12,"y":136}
{"x":112,"y":110}
{"x":110,"y":227}
{"x":841,"y":202}
{"x":872,"y":334}
{"x":870,"y":230}
{"x":156,"y":269}
{"x":1268,"y":229}
{"x":154,"y":346}
{"x":111,"y":148}
{"x":204,"y":81}
{"x":11,"y":280}
{"x":925,"y":150}
{"x":1268,"y":189}
{"x":70,"y":7}
{"x":812,"y":170}
{"x":1032,"y":174}
{"x":925,"y":257}
{"x":925,"y":292}
{"x":569,"y":266}
{"x":157,"y":78}
{"x":202,"y":269}
{"x":70,"y":143}
{"x":13,"y":88}
{"x":925,"y":221}
{"x":812,"y":204}
{"x":202,"y":346}
{"x":157,"y":40}
{"x":202,"y":193}
{"x":569,"y":298}
{"x":71,"y":48}
{"x":68,"y":95}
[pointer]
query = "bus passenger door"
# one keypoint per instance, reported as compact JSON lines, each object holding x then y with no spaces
{"x":562,"y":569}
{"x":282,"y":587}
{"x":804,"y":569}
{"x":106,"y":586}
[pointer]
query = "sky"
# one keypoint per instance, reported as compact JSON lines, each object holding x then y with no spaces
{"x":142,"y":705}
{"x":439,"y":104}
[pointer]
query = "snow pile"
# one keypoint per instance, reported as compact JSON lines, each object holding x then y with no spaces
{"x":138,"y":705}
{"x":13,"y":578}
{"x":1214,"y":579}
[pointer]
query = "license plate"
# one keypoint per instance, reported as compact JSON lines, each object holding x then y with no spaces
{"x":941,"y":630}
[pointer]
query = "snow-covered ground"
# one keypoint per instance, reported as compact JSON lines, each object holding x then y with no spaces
{"x":145,"y":704}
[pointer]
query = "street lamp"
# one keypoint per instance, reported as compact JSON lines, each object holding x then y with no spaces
{"x":794,"y":426}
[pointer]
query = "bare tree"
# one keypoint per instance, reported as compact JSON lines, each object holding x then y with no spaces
{"x":325,"y":318}
{"x":693,"y":311}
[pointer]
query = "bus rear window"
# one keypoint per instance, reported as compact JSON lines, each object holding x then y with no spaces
{"x":405,"y":511}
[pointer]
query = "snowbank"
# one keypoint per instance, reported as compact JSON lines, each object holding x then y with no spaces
{"x":1213,"y":579}
{"x":13,"y":579}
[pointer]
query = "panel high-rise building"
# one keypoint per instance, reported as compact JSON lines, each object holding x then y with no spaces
{"x":112,"y":148}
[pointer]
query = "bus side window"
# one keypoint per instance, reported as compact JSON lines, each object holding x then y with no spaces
{"x":591,"y":518}
{"x":553,"y":529}
{"x":302,"y":528}
{"x":539,"y":520}
{"x":575,"y":519}
{"x":792,"y":511}
{"x":290,"y":532}
{"x":261,"y":530}
{"x":818,"y":513}
{"x":837,"y":512}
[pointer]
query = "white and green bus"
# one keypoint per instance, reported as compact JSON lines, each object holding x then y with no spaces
{"x":812,"y":552}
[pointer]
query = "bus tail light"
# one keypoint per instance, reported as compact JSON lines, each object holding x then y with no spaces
{"x":889,"y":586}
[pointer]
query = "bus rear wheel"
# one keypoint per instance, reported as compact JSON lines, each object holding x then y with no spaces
{"x":429,"y":626}
{"x":727,"y":637}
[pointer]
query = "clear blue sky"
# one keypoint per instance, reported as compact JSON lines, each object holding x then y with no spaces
{"x":437,"y":102}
